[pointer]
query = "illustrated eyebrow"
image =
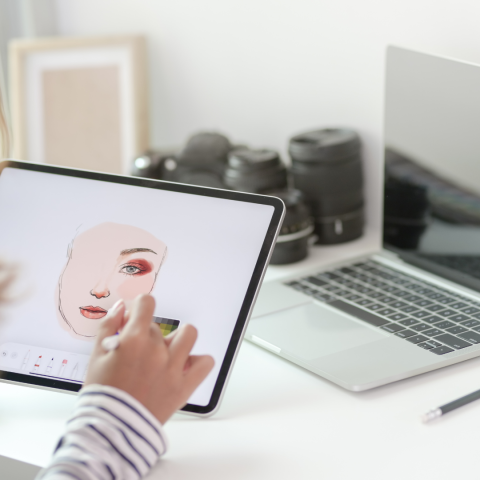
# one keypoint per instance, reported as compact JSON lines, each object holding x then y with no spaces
{"x":128,"y":251}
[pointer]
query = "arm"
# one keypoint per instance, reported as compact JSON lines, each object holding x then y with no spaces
{"x":109,"y":435}
{"x":115,"y":431}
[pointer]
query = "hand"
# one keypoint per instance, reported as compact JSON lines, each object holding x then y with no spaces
{"x":160,"y":373}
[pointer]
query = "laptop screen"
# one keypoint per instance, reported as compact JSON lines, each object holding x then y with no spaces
{"x":432,"y":164}
{"x":82,"y":244}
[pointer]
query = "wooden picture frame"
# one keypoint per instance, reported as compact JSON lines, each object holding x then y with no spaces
{"x":79,"y":102}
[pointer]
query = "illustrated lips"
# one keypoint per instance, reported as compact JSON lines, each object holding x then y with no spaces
{"x":93,"y":312}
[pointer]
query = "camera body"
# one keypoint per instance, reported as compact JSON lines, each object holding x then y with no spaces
{"x":202,"y":161}
{"x":149,"y":164}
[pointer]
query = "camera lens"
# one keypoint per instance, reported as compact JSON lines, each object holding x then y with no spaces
{"x":292,"y":241}
{"x":255,"y":171}
{"x":327,"y":168}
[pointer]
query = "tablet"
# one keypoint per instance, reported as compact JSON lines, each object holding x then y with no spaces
{"x":82,"y":240}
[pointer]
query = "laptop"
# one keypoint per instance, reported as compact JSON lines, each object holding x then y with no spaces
{"x":414,"y":305}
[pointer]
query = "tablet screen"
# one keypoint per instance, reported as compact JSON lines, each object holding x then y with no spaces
{"x":81,"y":244}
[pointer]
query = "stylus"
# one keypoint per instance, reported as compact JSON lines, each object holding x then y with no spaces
{"x":448,"y":407}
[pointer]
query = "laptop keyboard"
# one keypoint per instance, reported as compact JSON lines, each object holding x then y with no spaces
{"x":419,"y":312}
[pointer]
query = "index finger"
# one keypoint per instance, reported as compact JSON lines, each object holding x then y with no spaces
{"x":140,"y":317}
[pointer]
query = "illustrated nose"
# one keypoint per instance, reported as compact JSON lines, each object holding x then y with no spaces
{"x":100,"y":292}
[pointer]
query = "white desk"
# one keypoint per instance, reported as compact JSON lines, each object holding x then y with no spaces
{"x":279,"y":421}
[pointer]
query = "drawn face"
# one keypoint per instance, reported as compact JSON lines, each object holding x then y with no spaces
{"x":106,"y":263}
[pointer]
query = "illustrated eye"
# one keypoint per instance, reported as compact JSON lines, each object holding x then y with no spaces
{"x":131,"y":270}
{"x":136,"y":267}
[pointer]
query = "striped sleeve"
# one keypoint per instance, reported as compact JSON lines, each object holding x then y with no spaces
{"x":110,"y":435}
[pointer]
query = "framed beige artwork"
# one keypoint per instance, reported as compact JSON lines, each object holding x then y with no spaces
{"x":79,"y":102}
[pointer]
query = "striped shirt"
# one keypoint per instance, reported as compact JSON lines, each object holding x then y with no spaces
{"x":110,"y":436}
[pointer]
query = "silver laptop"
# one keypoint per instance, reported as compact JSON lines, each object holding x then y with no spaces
{"x":413,"y":306}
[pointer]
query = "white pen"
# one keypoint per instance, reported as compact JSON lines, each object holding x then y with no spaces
{"x":49,"y":367}
{"x":25,"y":361}
{"x":37,"y":365}
{"x":74,"y":371}
{"x":62,"y":368}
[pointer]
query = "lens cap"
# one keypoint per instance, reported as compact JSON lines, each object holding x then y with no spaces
{"x":328,"y":144}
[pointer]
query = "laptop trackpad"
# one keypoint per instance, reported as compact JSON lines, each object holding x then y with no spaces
{"x":311,"y":331}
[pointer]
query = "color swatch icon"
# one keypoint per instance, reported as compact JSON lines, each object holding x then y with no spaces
{"x":166,"y":325}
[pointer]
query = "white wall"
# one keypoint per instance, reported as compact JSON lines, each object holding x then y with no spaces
{"x":262,"y":70}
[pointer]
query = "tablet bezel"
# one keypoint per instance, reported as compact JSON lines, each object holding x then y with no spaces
{"x":251,"y":293}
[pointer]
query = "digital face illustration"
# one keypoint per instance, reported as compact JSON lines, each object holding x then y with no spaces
{"x":105,"y":263}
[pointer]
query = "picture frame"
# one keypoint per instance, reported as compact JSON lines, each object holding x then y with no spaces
{"x":80,"y":102}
